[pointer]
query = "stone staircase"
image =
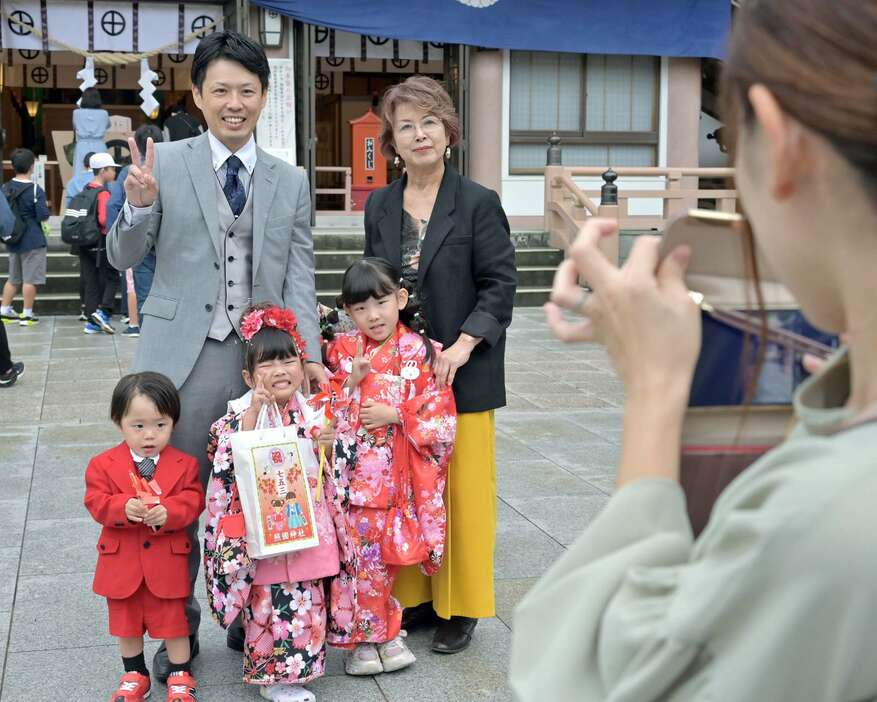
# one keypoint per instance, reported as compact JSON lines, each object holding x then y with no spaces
{"x":336,"y":246}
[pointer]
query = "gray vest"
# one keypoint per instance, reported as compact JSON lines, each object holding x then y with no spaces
{"x":236,"y":243}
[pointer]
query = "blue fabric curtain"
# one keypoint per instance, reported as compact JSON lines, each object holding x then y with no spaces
{"x":696,"y":28}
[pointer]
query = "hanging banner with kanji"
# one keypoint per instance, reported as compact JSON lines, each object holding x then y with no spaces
{"x":106,"y":25}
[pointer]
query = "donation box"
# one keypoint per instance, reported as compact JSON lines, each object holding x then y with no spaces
{"x":368,"y":163}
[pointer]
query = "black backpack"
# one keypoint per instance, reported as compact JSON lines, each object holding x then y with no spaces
{"x":80,"y":226}
{"x":19,"y":226}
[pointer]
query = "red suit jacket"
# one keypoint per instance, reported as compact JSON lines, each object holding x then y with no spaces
{"x":129,"y":552}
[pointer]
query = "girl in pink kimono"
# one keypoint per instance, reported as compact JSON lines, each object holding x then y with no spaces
{"x":281,"y":598}
{"x":395,"y":435}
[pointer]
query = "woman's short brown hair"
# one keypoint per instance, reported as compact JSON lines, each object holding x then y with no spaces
{"x":426,"y":94}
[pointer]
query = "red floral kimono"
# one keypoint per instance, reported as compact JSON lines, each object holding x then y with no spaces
{"x":375,"y":484}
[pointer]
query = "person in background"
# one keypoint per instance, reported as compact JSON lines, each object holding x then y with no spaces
{"x":90,"y":123}
{"x":180,"y":124}
{"x":101,"y":279}
{"x":27,"y":258}
{"x":133,"y":319}
{"x":75,"y":186}
{"x":79,"y":180}
{"x":143,"y":272}
{"x":9,"y":370}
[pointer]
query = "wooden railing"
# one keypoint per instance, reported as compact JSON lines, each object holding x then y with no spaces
{"x":567,"y":205}
{"x":346,"y":191}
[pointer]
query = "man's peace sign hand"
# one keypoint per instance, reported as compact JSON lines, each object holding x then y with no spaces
{"x":140,"y":185}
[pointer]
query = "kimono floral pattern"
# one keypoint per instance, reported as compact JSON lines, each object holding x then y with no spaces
{"x":285,"y":627}
{"x":284,"y":623}
{"x":371,"y":486}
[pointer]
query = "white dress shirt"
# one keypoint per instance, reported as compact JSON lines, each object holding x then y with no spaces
{"x":138,"y":459}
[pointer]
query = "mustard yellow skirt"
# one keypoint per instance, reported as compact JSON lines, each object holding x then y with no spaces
{"x":464,"y":585}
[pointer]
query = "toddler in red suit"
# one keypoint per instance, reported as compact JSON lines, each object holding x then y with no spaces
{"x":145,"y":493}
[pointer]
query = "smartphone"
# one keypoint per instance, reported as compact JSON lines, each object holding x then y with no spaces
{"x":720,"y":270}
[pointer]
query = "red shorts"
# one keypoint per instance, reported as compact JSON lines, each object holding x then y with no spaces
{"x":143,"y":611}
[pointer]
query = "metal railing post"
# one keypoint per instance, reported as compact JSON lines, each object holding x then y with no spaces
{"x":557,"y":235}
{"x":609,"y":208}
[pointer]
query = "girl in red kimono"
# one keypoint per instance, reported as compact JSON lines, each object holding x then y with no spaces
{"x":395,"y":435}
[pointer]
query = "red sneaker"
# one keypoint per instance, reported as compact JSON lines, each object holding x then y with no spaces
{"x":133,"y":687}
{"x":180,"y":688}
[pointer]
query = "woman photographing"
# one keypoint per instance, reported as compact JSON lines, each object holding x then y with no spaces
{"x":775,"y":599}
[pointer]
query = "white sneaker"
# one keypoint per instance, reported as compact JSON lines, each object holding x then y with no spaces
{"x":395,"y":654}
{"x":363,"y":660}
{"x":286,"y":693}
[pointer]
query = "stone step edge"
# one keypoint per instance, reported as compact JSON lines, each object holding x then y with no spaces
{"x":75,"y":296}
{"x":58,"y":253}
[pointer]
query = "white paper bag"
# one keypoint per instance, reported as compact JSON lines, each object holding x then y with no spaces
{"x":271,"y":465}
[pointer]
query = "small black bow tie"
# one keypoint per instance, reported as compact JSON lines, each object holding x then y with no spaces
{"x":146,"y":468}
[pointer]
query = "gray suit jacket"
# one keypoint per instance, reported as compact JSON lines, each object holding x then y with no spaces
{"x":184,"y":230}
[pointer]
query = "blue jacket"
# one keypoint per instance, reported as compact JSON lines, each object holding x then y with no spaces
{"x":33,"y":212}
{"x":117,"y":197}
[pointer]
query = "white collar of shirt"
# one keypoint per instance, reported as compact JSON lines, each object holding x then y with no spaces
{"x":220,"y":153}
{"x":139,"y":459}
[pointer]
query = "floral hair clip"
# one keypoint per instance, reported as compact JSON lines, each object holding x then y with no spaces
{"x":277,"y":317}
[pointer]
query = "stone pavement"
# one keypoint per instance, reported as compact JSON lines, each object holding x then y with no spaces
{"x":557,"y":446}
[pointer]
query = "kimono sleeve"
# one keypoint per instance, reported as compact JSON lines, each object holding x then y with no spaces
{"x":763,"y":607}
{"x":429,"y":419}
{"x":227,"y":592}
{"x":429,"y":423}
{"x":221,"y":479}
{"x":335,"y":351}
{"x":340,"y":349}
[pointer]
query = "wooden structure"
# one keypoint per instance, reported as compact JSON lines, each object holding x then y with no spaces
{"x":567,"y":205}
{"x":346,"y":191}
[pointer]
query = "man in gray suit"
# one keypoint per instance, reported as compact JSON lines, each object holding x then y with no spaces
{"x":230,"y":225}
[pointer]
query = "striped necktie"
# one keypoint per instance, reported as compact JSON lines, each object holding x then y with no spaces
{"x":233,"y":188}
{"x":146,"y":468}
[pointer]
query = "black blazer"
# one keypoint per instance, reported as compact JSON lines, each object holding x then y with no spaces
{"x":467,"y":276}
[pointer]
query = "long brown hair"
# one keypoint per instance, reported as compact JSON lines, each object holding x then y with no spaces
{"x":819,"y":60}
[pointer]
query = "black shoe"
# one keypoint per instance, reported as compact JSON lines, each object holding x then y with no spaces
{"x":161,"y":665}
{"x":9,"y":377}
{"x":235,"y":637}
{"x":453,"y":635}
{"x":422,"y":616}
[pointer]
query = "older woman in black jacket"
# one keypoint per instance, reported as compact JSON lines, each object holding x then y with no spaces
{"x":450,"y":238}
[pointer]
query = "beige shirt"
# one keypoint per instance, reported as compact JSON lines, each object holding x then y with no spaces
{"x":775,"y":601}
